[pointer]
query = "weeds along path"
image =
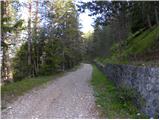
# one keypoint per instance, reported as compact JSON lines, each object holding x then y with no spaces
{"x":70,"y":96}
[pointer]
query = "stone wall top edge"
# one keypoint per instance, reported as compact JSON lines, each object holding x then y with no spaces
{"x":134,"y":66}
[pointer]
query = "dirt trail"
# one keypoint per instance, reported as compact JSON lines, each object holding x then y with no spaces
{"x":70,"y":96}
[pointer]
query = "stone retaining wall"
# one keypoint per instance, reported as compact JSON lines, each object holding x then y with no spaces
{"x":145,"y":80}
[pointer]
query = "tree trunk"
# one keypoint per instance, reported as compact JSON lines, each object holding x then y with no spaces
{"x":37,"y":56}
{"x":149,"y":21}
{"x":4,"y":70}
{"x":29,"y":39}
{"x":2,"y":40}
{"x":156,"y":15}
{"x":63,"y":66}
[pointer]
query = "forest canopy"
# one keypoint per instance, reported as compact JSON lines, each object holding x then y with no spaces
{"x":49,"y":39}
{"x":118,"y":28}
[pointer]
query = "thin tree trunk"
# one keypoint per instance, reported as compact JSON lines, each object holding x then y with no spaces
{"x":63,"y":66}
{"x":156,"y":15}
{"x":2,"y":40}
{"x":37,"y":56}
{"x":149,"y":21}
{"x":29,"y":38}
{"x":36,"y":21}
{"x":35,"y":47}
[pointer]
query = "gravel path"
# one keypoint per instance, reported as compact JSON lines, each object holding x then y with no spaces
{"x":70,"y":96}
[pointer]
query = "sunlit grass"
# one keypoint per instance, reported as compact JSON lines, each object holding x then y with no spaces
{"x":139,"y":44}
{"x":135,"y":45}
{"x":19,"y":87}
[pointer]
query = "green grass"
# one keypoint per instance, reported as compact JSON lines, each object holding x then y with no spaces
{"x":142,"y":42}
{"x":19,"y":87}
{"x":10,"y":92}
{"x":108,"y":98}
{"x":134,"y":45}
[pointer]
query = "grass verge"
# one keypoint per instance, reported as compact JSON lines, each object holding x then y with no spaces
{"x":108,"y":99}
{"x":10,"y":92}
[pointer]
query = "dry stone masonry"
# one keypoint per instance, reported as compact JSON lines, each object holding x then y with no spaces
{"x":145,"y":80}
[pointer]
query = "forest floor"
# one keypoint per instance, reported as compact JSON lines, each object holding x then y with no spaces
{"x":70,"y":96}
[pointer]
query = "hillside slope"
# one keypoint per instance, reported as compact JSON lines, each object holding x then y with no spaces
{"x":140,"y":48}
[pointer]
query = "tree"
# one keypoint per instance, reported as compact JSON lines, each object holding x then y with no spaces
{"x":29,"y":37}
{"x":56,"y":46}
{"x":8,"y":26}
{"x":116,"y":20}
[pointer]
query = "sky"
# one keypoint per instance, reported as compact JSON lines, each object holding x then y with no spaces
{"x":86,"y":22}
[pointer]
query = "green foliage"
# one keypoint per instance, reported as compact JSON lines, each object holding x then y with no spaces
{"x":20,"y":66}
{"x":100,"y":42}
{"x":53,"y":49}
{"x":141,"y":19}
{"x":117,"y":21}
{"x":136,"y":44}
{"x":52,"y":59}
{"x":142,"y":42}
{"x":8,"y":25}
{"x":137,"y":14}
{"x":113,"y":102}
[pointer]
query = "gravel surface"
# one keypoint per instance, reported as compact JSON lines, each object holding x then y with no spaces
{"x":70,"y":96}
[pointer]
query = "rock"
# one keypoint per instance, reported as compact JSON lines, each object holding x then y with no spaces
{"x":9,"y":107}
{"x":138,"y":114}
{"x":98,"y":105}
{"x":145,"y":81}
